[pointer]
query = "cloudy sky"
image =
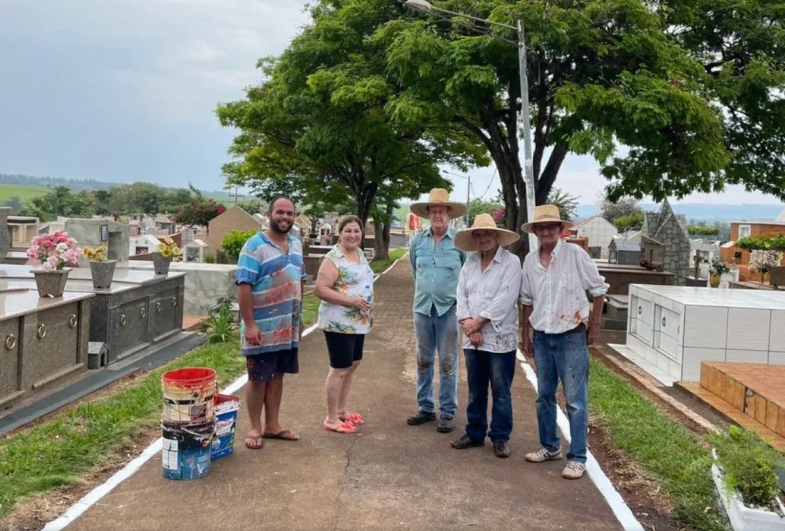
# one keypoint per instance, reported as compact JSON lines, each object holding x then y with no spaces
{"x":125,"y":90}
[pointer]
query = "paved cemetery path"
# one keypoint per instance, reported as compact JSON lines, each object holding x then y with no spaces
{"x":389,"y":476}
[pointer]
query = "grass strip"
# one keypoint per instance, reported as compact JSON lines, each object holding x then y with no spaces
{"x":672,"y":456}
{"x":379,"y":266}
{"x":59,"y":451}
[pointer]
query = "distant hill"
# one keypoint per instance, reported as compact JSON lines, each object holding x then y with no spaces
{"x":39,"y":185}
{"x":704,"y":212}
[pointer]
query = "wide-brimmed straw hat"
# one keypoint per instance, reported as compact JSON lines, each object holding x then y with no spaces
{"x":465,"y":242}
{"x":439,"y":197}
{"x":545,"y":214}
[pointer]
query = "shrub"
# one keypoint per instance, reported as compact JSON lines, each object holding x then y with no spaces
{"x":233,"y":242}
{"x":750,"y":466}
{"x":209,"y":258}
{"x":219,"y":325}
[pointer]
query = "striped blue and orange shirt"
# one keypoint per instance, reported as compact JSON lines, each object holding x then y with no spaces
{"x":274,"y":277}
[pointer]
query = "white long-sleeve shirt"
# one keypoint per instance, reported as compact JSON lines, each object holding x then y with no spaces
{"x":558,"y":294}
{"x":491,"y":294}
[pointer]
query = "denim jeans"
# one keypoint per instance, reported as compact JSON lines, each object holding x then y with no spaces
{"x":563,"y":357}
{"x":498,"y":370}
{"x":437,"y":333}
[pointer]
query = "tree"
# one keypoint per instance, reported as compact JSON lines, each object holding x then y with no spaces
{"x":702,"y":230}
{"x":629,"y":222}
{"x":199,"y":211}
{"x":627,"y":206}
{"x":324,"y":118}
{"x":567,"y":203}
{"x":480,"y":206}
{"x":15,"y":204}
{"x":682,"y":85}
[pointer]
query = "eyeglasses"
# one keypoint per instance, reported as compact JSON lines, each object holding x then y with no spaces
{"x":549,"y":227}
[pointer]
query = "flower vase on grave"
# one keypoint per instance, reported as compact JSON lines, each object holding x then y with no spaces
{"x":714,"y":280}
{"x":51,"y":283}
{"x":161,"y":264}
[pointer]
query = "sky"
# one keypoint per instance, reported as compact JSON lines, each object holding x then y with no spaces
{"x":126,"y":90}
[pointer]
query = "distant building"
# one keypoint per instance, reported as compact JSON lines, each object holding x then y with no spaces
{"x":741,"y":229}
{"x":598,"y":230}
{"x":235,"y":218}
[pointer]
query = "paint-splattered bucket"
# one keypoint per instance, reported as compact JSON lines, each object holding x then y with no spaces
{"x":186,"y":449}
{"x":226,"y":408}
{"x":188,"y":395}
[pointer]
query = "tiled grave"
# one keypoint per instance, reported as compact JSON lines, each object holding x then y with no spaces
{"x":675,"y":328}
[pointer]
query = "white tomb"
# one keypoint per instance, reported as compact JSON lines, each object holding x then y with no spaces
{"x":672,"y":329}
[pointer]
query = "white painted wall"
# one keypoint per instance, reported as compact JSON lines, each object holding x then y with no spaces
{"x":600,"y":232}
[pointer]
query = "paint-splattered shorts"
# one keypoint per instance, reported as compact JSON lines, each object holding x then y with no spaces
{"x":263,"y":367}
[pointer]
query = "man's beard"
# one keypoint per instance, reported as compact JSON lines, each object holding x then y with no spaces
{"x":275,"y":228}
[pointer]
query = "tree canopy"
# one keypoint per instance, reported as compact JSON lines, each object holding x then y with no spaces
{"x":323,"y":119}
{"x":669,"y":98}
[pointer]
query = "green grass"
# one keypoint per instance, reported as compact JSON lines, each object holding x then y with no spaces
{"x":310,"y":310}
{"x":672,"y":456}
{"x":379,"y":266}
{"x":25,"y":193}
{"x":58,"y":452}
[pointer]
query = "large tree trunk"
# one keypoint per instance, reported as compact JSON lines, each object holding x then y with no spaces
{"x":382,"y":234}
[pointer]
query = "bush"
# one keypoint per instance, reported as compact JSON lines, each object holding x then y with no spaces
{"x":220,"y":326}
{"x":209,"y":258}
{"x":233,"y":242}
{"x":750,"y":466}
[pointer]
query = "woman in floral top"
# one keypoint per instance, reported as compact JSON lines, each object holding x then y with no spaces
{"x":345,"y":286}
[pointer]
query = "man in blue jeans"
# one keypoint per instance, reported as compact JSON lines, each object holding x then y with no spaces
{"x":436,"y":264}
{"x":554,"y":282}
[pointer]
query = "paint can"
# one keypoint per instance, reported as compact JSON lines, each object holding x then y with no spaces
{"x":226,"y":408}
{"x":188,"y":395}
{"x":186,"y":449}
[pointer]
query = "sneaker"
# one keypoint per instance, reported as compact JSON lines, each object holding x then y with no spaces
{"x":421,"y":418}
{"x":501,"y":449}
{"x":445,"y":424}
{"x":573,"y":470}
{"x":542,"y":455}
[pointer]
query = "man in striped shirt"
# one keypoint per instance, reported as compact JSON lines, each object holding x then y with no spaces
{"x":270,"y":277}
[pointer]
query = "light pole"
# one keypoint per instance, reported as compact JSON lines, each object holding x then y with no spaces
{"x":424,"y":6}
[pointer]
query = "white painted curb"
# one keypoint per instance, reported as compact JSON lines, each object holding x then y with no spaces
{"x":615,"y":501}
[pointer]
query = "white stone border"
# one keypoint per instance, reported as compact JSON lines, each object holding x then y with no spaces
{"x":617,"y":504}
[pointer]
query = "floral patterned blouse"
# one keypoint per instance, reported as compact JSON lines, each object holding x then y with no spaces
{"x":356,"y":280}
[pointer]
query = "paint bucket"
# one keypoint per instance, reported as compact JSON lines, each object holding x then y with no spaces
{"x":226,"y":408}
{"x":188,"y":395}
{"x":186,"y":449}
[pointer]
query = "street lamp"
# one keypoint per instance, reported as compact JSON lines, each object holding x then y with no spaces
{"x":423,"y":6}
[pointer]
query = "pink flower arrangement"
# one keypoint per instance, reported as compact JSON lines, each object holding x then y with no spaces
{"x":54,"y":251}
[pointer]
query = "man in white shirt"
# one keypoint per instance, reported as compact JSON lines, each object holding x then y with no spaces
{"x":488,"y":289}
{"x":554,"y":282}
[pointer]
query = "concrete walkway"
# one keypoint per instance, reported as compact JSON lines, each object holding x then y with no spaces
{"x":389,"y":476}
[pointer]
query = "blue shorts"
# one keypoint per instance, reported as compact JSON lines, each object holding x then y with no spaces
{"x":263,"y":367}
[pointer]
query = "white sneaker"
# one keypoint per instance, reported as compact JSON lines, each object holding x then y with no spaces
{"x":543,"y":455}
{"x":573,"y":470}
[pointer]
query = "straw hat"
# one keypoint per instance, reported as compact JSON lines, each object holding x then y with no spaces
{"x":465,"y":242}
{"x":439,"y":197}
{"x":545,"y":214}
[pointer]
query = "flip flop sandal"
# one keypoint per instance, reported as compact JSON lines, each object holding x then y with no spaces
{"x":347,"y":428}
{"x":282,"y":435}
{"x":354,"y":418}
{"x":256,"y":439}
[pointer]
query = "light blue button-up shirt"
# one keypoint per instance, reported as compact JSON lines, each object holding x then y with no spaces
{"x":435,"y":270}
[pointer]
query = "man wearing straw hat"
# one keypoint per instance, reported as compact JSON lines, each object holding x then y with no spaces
{"x":556,"y":277}
{"x":436,"y":264}
{"x":488,"y":290}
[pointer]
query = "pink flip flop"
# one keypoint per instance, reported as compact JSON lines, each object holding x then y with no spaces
{"x":347,"y":428}
{"x":354,"y":418}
